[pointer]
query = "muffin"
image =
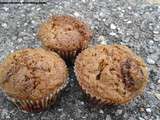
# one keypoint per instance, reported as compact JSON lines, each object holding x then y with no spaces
{"x":32,"y":78}
{"x":65,"y":35}
{"x":111,"y":74}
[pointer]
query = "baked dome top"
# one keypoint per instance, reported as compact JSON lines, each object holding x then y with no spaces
{"x":64,"y":33}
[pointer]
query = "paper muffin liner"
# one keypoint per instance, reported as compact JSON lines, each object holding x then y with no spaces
{"x":38,"y":105}
{"x":94,"y":100}
{"x":34,"y":106}
{"x":98,"y":101}
{"x":68,"y":56}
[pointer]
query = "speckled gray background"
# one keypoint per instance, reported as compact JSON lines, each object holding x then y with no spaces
{"x":135,"y":23}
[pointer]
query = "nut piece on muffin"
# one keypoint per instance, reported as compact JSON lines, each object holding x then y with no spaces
{"x":32,"y":78}
{"x":64,"y":34}
{"x":112,"y":74}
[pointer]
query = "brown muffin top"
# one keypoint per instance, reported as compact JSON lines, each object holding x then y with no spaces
{"x":111,"y":73}
{"x":32,"y":74}
{"x":64,"y":33}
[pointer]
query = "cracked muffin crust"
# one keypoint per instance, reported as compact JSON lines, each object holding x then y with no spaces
{"x":32,"y":78}
{"x":111,"y":73}
{"x":65,"y":35}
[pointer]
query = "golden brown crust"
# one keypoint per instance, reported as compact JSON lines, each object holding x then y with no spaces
{"x":32,"y":74}
{"x":111,"y":73}
{"x":64,"y":33}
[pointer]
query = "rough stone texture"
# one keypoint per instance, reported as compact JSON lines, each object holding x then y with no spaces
{"x":135,"y":23}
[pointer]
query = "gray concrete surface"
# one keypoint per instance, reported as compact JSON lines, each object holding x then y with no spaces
{"x":135,"y":23}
